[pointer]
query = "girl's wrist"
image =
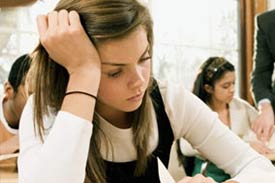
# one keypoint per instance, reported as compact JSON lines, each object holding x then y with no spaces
{"x":85,"y":79}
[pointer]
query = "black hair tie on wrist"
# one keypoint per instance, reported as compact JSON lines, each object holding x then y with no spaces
{"x":81,"y":92}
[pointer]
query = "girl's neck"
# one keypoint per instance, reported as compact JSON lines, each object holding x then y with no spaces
{"x":9,"y":112}
{"x":117,"y":118}
{"x":217,"y":106}
{"x":222,"y":109}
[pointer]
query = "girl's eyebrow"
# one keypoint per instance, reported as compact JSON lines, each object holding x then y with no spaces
{"x":228,"y":82}
{"x":122,"y":64}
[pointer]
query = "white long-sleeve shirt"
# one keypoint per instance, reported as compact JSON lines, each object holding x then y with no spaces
{"x":241,"y":114}
{"x":62,"y":157}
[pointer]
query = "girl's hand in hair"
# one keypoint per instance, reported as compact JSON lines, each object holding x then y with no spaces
{"x":199,"y":178}
{"x":66,"y":42}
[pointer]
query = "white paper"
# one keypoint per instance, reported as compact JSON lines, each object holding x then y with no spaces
{"x":164,"y":175}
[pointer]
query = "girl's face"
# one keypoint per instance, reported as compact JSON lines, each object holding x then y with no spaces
{"x":224,"y":88}
{"x":126,"y":68}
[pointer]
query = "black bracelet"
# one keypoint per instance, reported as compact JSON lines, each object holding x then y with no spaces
{"x":81,"y":92}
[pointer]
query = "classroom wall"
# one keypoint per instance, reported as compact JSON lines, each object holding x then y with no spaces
{"x":271,"y":4}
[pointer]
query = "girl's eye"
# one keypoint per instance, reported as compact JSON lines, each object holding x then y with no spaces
{"x":114,"y":74}
{"x":228,"y":85}
{"x":225,"y":86}
{"x":145,"y":59}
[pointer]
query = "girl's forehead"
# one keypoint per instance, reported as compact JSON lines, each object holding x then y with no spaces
{"x":130,"y":47}
{"x":227,"y":76}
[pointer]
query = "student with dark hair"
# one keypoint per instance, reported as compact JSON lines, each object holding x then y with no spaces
{"x":215,"y":86}
{"x":97,"y":114}
{"x":13,"y":102}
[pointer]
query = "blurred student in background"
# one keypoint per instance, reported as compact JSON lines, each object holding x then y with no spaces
{"x":13,"y":102}
{"x":215,"y":85}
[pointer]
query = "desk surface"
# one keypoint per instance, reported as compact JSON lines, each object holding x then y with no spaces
{"x":8,"y":171}
{"x":270,"y":156}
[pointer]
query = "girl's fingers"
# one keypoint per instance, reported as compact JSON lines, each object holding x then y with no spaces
{"x":270,"y":132}
{"x":74,"y":19}
{"x":42,"y":25}
{"x":53,"y":20}
{"x":209,"y":180}
{"x":259,"y":132}
{"x":197,"y":179}
{"x":185,"y":180}
{"x":63,"y":19}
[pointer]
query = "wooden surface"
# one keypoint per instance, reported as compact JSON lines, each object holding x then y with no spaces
{"x":8,"y":171}
{"x":4,"y":134}
{"x":271,"y":156}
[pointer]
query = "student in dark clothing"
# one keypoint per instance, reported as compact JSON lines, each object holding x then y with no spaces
{"x":261,"y":81}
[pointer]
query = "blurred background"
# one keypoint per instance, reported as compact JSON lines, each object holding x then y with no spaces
{"x":186,"y":34}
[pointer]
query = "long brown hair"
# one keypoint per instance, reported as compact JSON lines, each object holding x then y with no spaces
{"x":101,"y":19}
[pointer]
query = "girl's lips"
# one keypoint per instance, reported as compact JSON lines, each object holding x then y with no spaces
{"x":137,"y":97}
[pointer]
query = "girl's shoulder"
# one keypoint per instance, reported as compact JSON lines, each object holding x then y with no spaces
{"x":169,"y":87}
{"x":239,"y":103}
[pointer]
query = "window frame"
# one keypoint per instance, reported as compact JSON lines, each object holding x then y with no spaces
{"x":248,"y":10}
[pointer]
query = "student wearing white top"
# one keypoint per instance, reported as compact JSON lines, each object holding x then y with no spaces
{"x":13,"y":101}
{"x":215,"y":85}
{"x":99,"y":116}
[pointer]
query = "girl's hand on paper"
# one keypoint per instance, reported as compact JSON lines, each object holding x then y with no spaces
{"x":199,"y":178}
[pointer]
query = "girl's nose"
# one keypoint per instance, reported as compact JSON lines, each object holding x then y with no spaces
{"x":137,"y":79}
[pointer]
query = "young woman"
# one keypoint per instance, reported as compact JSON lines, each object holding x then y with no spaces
{"x":215,"y":86}
{"x":99,"y":116}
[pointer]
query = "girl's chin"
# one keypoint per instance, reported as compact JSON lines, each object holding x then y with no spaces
{"x":131,"y":108}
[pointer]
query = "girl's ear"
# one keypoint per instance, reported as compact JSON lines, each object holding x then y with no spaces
{"x":8,"y":90}
{"x":208,"y":88}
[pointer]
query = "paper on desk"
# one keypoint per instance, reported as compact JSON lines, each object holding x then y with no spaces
{"x":164,"y":175}
{"x":251,"y":136}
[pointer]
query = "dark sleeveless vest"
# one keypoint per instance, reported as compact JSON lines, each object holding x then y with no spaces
{"x":124,"y":172}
